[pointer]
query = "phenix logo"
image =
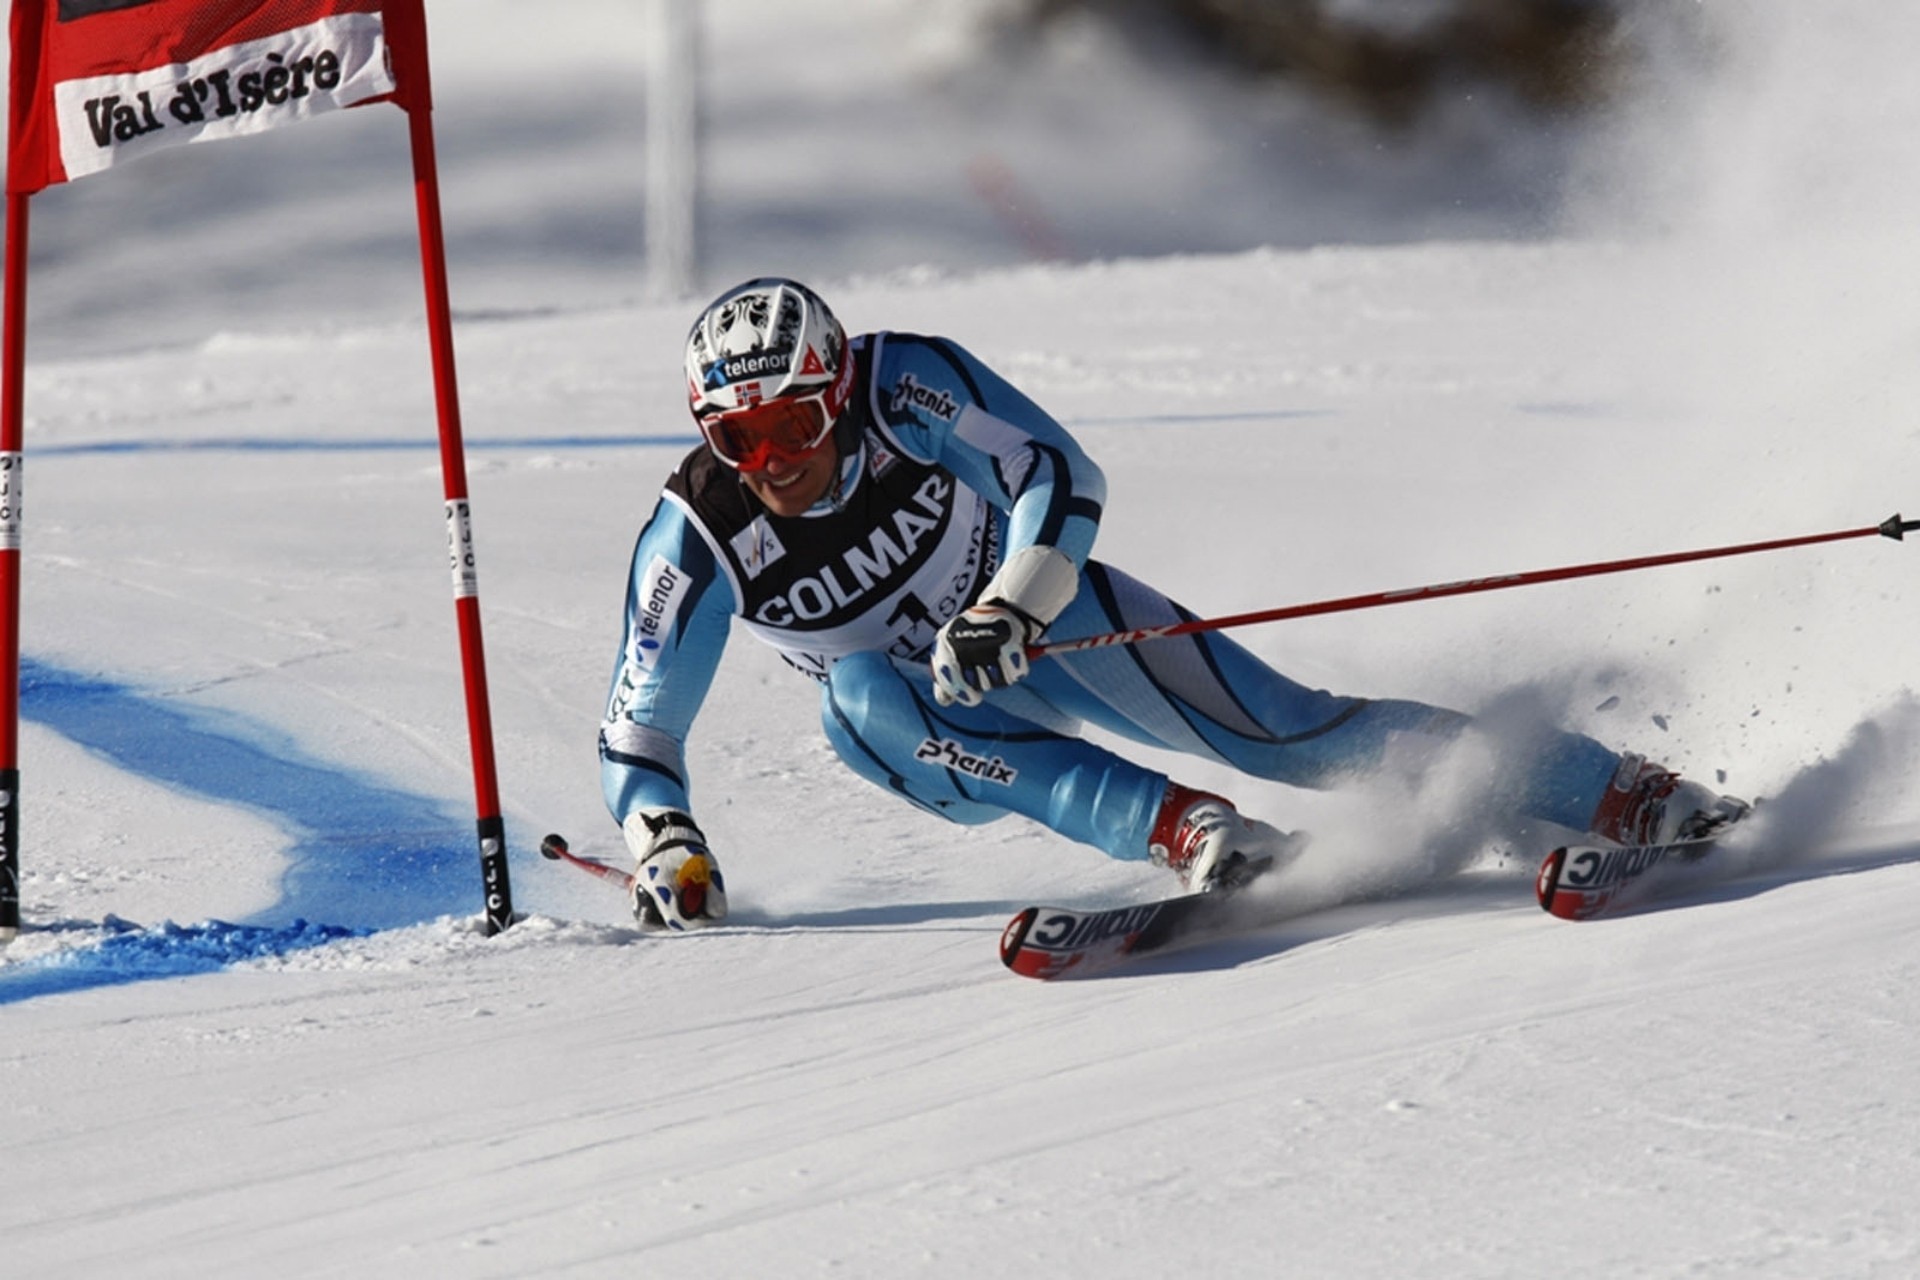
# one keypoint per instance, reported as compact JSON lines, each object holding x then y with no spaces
{"x":949,"y":754}
{"x":934,"y":400}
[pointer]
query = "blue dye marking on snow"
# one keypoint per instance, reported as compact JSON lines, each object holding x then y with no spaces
{"x":480,"y":444}
{"x":130,"y":953}
{"x":365,"y":444}
{"x":363,"y":855}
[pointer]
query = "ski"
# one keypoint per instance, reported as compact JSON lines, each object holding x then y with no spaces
{"x":1051,"y":942}
{"x":555,"y":848}
{"x":1579,"y":882}
{"x":1046,"y":942}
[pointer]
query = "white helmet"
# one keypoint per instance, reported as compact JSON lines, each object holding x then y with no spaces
{"x":767,"y":339}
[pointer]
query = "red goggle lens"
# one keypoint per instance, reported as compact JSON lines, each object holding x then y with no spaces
{"x":747,"y":439}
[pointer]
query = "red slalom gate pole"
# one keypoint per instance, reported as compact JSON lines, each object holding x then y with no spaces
{"x":13,"y":356}
{"x":1892,"y":527}
{"x":418,"y":103}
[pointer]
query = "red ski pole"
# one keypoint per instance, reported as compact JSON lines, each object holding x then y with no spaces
{"x":1893,"y":527}
{"x":555,"y":848}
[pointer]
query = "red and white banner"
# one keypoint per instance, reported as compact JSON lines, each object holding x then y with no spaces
{"x":97,"y":82}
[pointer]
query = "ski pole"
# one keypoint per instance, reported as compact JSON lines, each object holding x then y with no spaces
{"x":555,"y":848}
{"x":1893,"y":527}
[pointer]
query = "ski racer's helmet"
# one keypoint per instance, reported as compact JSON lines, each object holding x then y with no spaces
{"x":768,"y":373}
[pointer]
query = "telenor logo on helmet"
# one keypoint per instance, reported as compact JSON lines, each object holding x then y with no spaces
{"x":756,"y":364}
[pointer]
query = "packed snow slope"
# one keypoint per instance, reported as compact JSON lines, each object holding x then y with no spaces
{"x":252,"y":1026}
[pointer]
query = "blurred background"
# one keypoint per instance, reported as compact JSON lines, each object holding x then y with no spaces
{"x":882,"y":137}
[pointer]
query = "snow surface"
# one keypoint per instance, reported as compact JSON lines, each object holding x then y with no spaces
{"x":253,"y":1029}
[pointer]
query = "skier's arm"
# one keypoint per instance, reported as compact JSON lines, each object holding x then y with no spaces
{"x":934,"y":396}
{"x":678,"y":611}
{"x":944,"y":405}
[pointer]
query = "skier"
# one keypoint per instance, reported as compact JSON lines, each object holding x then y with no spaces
{"x":900,"y":523}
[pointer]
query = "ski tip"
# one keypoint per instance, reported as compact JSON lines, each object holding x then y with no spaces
{"x":1592,"y":886}
{"x":1041,"y":963}
{"x":554,"y":847}
{"x":1546,"y":885}
{"x":1014,"y":936}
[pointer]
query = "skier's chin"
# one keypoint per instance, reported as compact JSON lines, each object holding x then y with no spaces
{"x":792,"y":491}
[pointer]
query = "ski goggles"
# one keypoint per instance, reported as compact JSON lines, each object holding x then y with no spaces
{"x":786,"y":430}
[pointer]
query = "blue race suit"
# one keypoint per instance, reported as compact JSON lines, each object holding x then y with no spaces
{"x":945,"y":470}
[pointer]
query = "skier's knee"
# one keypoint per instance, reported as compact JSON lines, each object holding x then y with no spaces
{"x":872,"y":720}
{"x":862,"y":685}
{"x":862,"y":709}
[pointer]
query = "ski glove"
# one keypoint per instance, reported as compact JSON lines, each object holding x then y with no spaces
{"x":986,"y":646}
{"x":676,"y":884}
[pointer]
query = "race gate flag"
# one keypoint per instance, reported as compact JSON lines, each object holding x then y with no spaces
{"x":110,"y":80}
{"x":94,"y":83}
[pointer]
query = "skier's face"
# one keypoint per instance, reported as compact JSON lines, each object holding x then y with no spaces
{"x":791,"y":488}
